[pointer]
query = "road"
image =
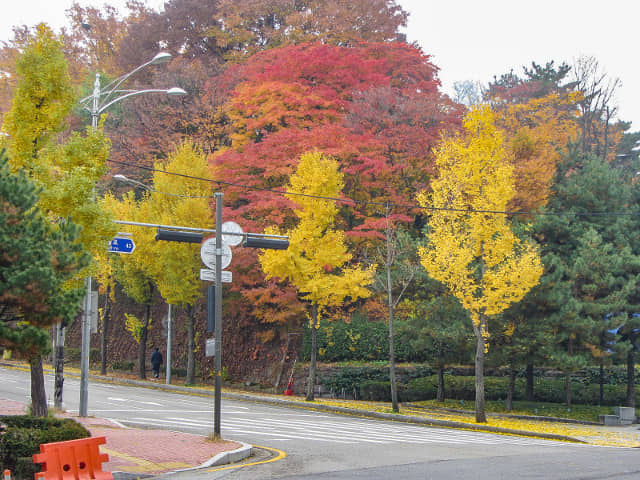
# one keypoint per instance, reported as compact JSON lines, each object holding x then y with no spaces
{"x":328,"y":446}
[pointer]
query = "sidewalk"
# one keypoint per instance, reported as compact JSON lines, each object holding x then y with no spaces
{"x":135,"y":452}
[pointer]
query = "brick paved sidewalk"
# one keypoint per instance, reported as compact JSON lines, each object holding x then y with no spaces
{"x":142,"y":451}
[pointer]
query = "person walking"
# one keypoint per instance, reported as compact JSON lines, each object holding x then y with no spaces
{"x":156,"y":361}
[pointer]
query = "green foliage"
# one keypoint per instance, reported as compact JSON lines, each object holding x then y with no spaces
{"x":379,"y":391}
{"x":586,"y":413}
{"x":38,"y":260}
{"x":123,"y":366}
{"x":66,"y":173}
{"x":347,"y":381}
{"x":546,"y":390}
{"x":22,"y":435}
{"x":363,"y":340}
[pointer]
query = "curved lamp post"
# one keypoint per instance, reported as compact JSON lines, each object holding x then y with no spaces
{"x":96,"y":103}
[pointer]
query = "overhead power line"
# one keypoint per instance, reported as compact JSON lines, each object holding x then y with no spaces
{"x":379,"y":204}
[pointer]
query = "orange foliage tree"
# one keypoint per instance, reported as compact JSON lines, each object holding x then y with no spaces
{"x":539,"y":117}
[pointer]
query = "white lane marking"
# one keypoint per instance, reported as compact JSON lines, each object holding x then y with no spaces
{"x":157,"y":421}
{"x":290,"y":437}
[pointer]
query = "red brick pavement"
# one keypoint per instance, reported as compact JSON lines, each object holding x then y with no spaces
{"x":142,"y":451}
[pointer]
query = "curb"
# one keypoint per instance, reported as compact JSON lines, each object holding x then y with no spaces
{"x":232,"y":456}
{"x":327,"y":408}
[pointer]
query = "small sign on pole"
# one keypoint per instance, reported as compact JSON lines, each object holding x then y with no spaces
{"x":94,"y":312}
{"x":121,"y":245}
{"x":210,"y":347}
{"x":210,"y":275}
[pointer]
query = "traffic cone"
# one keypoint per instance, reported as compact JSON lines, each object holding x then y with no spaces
{"x":7,"y":475}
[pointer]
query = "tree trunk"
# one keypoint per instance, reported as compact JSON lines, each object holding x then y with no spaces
{"x":440,"y":394}
{"x":392,"y":362}
{"x":512,"y":387}
{"x":567,"y":386}
{"x":142,"y":351}
{"x":311,"y":381}
{"x":59,"y":366}
{"x":529,"y":394}
{"x":392,"y":356}
{"x":191,"y":355}
{"x":631,"y":380}
{"x":601,"y":393}
{"x":480,"y":346}
{"x":103,"y":337}
{"x":38,"y":395}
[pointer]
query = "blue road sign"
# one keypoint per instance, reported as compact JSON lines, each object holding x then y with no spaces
{"x":121,"y":245}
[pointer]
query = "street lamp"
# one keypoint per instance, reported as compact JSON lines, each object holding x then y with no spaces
{"x":96,"y":103}
{"x":103,"y":97}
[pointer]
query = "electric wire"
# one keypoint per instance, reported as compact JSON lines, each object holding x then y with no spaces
{"x":378,"y":204}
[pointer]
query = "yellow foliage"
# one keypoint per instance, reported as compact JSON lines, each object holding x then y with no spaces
{"x":316,"y":259}
{"x":175,"y":200}
{"x":476,"y":255}
{"x":535,"y":132}
{"x":134,"y":326}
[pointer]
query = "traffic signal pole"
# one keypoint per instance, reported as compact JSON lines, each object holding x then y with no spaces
{"x":217,"y":368}
{"x":172,"y":233}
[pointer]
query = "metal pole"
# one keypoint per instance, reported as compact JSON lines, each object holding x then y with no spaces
{"x":218,"y":318}
{"x":84,"y":353}
{"x":86,"y":320}
{"x":169,"y":328}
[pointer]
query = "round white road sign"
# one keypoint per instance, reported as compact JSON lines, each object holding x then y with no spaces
{"x":208,"y":254}
{"x":231,"y":233}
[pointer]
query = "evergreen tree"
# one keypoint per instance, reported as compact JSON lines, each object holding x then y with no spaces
{"x":37,"y":261}
{"x":593,"y":255}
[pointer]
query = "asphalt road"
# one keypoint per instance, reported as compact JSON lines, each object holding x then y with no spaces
{"x":326,"y":446}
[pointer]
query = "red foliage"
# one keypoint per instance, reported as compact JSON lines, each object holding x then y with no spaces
{"x":376,"y":108}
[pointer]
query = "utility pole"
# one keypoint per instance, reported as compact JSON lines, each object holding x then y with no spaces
{"x":217,"y":366}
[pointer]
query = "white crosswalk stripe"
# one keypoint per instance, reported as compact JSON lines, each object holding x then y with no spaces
{"x":325,"y":428}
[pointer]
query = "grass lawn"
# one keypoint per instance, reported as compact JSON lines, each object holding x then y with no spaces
{"x":587,"y":413}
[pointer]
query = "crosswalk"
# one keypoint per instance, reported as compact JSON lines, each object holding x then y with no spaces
{"x":329,"y":428}
{"x":268,"y":425}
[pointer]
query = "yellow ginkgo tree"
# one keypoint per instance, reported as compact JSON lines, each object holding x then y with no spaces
{"x":317,"y":260}
{"x":181,"y":198}
{"x":472,"y":249}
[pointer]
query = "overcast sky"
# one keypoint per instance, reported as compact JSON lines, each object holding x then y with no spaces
{"x":475,"y":40}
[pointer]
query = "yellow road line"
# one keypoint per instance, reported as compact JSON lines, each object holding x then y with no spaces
{"x":142,"y":465}
{"x":280,"y":455}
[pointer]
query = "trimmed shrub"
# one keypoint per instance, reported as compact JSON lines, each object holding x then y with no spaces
{"x":359,"y":339}
{"x":377,"y":391}
{"x":425,"y":388}
{"x":22,"y":435}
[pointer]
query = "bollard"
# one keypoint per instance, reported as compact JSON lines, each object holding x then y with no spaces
{"x":7,"y":475}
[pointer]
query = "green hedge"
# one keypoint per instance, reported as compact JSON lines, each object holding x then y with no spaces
{"x":360,"y":340}
{"x":496,"y":388}
{"x":347,"y":382}
{"x":22,"y":435}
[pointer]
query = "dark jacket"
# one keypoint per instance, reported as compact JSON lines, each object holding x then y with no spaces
{"x":156,"y":358}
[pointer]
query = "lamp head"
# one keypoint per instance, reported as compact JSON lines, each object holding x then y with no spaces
{"x":161,"y":57}
{"x":176,"y":91}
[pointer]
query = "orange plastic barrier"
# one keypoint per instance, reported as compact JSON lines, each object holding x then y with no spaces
{"x":73,"y":460}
